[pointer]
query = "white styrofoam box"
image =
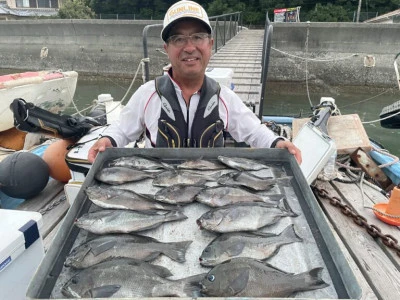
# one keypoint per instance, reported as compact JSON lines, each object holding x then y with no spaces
{"x":221,"y":75}
{"x":21,"y":251}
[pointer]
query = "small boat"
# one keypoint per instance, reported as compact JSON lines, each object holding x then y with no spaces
{"x":390,"y":115}
{"x":51,"y":90}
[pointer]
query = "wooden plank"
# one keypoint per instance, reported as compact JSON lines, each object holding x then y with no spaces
{"x":55,"y":214}
{"x":378,"y":269}
{"x":346,"y":130}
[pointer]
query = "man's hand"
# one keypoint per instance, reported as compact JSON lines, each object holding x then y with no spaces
{"x":291,"y":148}
{"x":99,"y":146}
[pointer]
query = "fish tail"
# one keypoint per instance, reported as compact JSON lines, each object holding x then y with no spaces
{"x":284,"y":206}
{"x":290,"y":234}
{"x":177,"y":251}
{"x":312,"y":279}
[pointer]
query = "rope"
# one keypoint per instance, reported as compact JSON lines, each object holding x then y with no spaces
{"x":314,"y":59}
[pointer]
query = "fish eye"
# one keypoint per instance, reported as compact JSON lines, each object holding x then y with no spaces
{"x":211,"y":278}
{"x":74,"y":280}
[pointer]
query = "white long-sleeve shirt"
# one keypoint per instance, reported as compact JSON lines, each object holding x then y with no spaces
{"x":144,"y":108}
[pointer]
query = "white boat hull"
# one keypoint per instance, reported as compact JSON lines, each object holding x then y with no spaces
{"x":50,"y":90}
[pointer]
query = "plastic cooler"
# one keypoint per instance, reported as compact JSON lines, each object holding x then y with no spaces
{"x":21,"y":251}
{"x":222,"y":76}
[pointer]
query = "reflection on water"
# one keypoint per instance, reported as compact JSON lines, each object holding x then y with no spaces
{"x":292,"y":99}
{"x":280,"y":99}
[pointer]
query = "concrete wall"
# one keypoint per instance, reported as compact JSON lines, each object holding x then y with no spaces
{"x":114,"y":47}
{"x":340,"y":53}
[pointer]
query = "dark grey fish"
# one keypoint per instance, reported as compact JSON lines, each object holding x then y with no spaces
{"x":123,"y":199}
{"x":242,"y":164}
{"x":120,"y":175}
{"x":243,"y":216}
{"x":121,"y":279}
{"x":139,"y":162}
{"x":181,"y":177}
{"x":257,"y":245}
{"x":225,"y":195}
{"x":124,"y":221}
{"x":201,"y":164}
{"x":247,"y":180}
{"x":178,"y":194}
{"x":105,"y":247}
{"x":247,"y":277}
{"x":127,"y":281}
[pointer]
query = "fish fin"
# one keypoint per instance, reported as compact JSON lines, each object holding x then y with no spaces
{"x":192,"y":286}
{"x":239,"y":283}
{"x":290,"y":234}
{"x":103,"y":247}
{"x":313,"y":279}
{"x":177,"y":251}
{"x":236,"y":249}
{"x":284,"y":206}
{"x":273,"y":268}
{"x":105,"y":291}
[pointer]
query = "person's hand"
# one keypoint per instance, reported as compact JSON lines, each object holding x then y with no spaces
{"x":99,"y":146}
{"x":291,"y":148}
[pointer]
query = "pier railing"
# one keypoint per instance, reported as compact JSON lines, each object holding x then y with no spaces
{"x":225,"y":27}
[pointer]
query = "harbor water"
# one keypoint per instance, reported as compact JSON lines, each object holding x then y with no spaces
{"x":282,"y":99}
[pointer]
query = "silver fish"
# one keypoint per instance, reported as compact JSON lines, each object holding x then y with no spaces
{"x":224,"y":195}
{"x":120,"y":175}
{"x":257,"y":245}
{"x":178,"y":194}
{"x":123,"y":199}
{"x":119,"y":278}
{"x":242,"y":164}
{"x":201,"y":164}
{"x":138,"y":162}
{"x":124,"y":221}
{"x":247,"y":180}
{"x":170,"y":178}
{"x":243,"y":216}
{"x":104,"y":247}
{"x":246,"y":277}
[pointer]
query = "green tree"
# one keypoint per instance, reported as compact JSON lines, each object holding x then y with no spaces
{"x":328,"y":13}
{"x":75,"y":9}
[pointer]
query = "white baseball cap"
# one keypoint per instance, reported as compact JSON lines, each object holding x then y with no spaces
{"x":184,"y":9}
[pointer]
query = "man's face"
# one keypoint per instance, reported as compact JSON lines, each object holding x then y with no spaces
{"x":189,"y":57}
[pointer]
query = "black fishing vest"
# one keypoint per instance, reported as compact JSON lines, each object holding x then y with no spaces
{"x":207,"y":128}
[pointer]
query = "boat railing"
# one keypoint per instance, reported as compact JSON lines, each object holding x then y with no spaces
{"x":225,"y":27}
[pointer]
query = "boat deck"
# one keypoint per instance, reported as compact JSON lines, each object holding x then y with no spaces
{"x":376,"y":266}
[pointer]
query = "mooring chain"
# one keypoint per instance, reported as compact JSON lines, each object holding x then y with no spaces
{"x":373,"y":230}
{"x":53,"y":204}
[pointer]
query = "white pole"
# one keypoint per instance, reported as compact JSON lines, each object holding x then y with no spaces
{"x":358,"y":11}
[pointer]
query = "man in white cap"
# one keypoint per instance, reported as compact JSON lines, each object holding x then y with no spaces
{"x":185,"y":108}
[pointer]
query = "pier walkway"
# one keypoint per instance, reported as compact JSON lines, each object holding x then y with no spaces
{"x":243,"y":54}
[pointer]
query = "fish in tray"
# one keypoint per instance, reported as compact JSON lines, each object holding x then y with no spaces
{"x":201,"y":164}
{"x":120,"y":175}
{"x":114,"y":198}
{"x":139,"y":162}
{"x":104,"y":247}
{"x":257,"y":245}
{"x":242,"y":164}
{"x":225,"y":195}
{"x":247,"y":277}
{"x":123,"y":278}
{"x":178,"y":194}
{"x":125,"y":221}
{"x":250,"y":181}
{"x":244,"y":216}
{"x":182,"y":177}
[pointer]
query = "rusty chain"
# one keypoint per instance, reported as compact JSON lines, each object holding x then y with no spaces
{"x":361,"y":221}
{"x":53,"y":204}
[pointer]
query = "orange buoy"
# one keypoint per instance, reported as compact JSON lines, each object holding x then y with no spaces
{"x":54,"y":156}
{"x":391,"y":210}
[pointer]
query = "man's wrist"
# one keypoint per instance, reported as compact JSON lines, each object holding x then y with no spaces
{"x":113,"y":142}
{"x":273,"y":145}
